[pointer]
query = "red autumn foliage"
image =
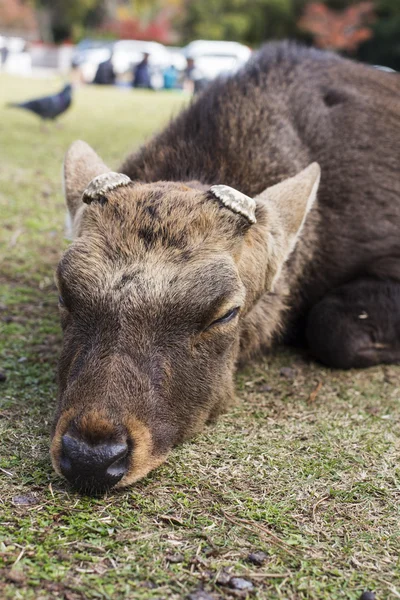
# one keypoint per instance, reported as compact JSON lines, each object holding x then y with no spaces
{"x":17,"y":16}
{"x":344,"y":30}
{"x":159,"y":29}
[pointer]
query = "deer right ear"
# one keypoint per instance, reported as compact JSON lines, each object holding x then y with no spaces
{"x":287,"y":204}
{"x":81,"y":165}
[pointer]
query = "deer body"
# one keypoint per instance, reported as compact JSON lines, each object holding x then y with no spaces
{"x":168,"y":281}
{"x":292,"y":107}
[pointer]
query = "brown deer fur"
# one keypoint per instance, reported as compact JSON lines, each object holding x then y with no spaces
{"x":158,"y":262}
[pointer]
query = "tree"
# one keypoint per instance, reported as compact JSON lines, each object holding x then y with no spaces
{"x":384,"y":47}
{"x":59,"y":19}
{"x":248,"y":21}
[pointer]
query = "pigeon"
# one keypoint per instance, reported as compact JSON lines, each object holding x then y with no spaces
{"x":48,"y":107}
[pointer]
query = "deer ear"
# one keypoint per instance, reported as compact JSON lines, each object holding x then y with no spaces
{"x":287,"y":205}
{"x":291,"y":201}
{"x":81,"y":165}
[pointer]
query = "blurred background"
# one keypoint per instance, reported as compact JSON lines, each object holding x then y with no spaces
{"x":183,"y":44}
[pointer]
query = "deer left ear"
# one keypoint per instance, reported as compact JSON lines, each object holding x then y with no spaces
{"x":81,"y":165}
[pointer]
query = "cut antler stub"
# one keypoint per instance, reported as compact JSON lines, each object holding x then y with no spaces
{"x":235,"y":201}
{"x":102,"y":184}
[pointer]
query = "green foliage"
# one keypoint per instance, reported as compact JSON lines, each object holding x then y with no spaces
{"x":384,"y":47}
{"x":146,"y":9}
{"x":60,"y":18}
{"x":256,"y":21}
{"x":248,"y":21}
{"x":236,"y":20}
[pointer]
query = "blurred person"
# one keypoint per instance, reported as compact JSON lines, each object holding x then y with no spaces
{"x":170,"y":78}
{"x":141,"y":77}
{"x":76,"y":74}
{"x":3,"y":55}
{"x":193,"y":79}
{"x":105,"y":74}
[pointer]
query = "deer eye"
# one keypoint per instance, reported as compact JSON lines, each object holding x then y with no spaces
{"x":61,"y":301}
{"x":229,"y":316}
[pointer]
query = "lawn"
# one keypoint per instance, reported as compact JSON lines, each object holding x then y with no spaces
{"x":305,"y":468}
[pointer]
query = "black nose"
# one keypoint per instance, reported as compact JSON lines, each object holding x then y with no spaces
{"x":93,"y":468}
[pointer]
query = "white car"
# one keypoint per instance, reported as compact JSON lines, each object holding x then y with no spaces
{"x":91,"y":61}
{"x":128,"y":53}
{"x":213,"y":58}
{"x":13,"y":44}
{"x":17,"y":60}
{"x":88,"y":54}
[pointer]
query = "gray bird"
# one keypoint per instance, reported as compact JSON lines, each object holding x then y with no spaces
{"x":48,"y":107}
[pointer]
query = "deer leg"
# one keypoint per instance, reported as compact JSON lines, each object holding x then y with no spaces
{"x":357,"y":325}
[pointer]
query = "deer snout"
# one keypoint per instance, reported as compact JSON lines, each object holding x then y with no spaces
{"x":93,"y":468}
{"x":95,"y":453}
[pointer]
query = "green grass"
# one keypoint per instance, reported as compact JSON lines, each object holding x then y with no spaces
{"x":314,"y":482}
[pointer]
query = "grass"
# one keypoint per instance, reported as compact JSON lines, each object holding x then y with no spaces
{"x":305,"y":468}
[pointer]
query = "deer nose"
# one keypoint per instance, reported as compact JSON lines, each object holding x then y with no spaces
{"x":93,"y":468}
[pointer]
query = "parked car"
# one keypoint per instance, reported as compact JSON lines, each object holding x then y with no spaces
{"x":14,"y":56}
{"x":177,"y":58}
{"x":13,"y":44}
{"x":128,"y":53}
{"x":88,"y":47}
{"x":88,"y":55}
{"x":213,"y":58}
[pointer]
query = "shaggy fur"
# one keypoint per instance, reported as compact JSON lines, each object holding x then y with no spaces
{"x":291,"y":106}
{"x":165,"y":289}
